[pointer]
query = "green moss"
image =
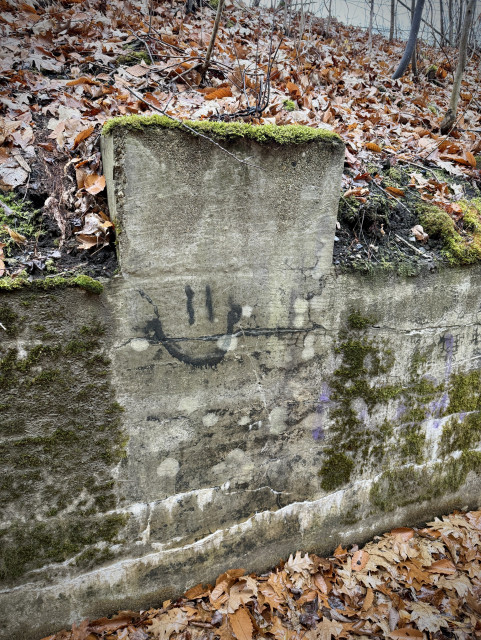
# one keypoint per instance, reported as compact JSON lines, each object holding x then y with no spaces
{"x":45,"y":542}
{"x":9,"y":320}
{"x":461,"y":435}
{"x":19,"y":217}
{"x":396,"y":176}
{"x":78,"y":347}
{"x":408,"y":485}
{"x":47,"y":377}
{"x":78,"y":437}
{"x":264,"y":134}
{"x":21,"y":282}
{"x":436,"y":222}
{"x":418,"y":360}
{"x":96,"y":328}
{"x":471,"y":214}
{"x":355,"y":320}
{"x":460,"y":246}
{"x":413,"y":445}
{"x":289,"y":105}
{"x":114,"y":409}
{"x":88,"y":284}
{"x":133,"y":57}
{"x":94,"y":557}
{"x":348,"y":212}
{"x":336,"y":470}
{"x":464,"y":392}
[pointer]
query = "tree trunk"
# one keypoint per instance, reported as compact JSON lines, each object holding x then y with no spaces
{"x":210,"y":48}
{"x":441,"y":22}
{"x":411,"y":44}
{"x":460,"y":22}
{"x":450,"y":20}
{"x":393,"y":20}
{"x":371,"y":17}
{"x":450,"y":118}
{"x":329,"y":18}
{"x":414,"y":59}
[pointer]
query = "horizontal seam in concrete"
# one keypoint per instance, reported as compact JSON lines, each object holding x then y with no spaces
{"x":288,"y":330}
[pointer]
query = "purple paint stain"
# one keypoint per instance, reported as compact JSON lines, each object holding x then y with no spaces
{"x":322,"y":404}
{"x":439,"y":406}
{"x":401,"y":410}
{"x":363,"y":415}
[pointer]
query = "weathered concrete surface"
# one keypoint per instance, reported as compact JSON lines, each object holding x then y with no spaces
{"x":268,"y":408}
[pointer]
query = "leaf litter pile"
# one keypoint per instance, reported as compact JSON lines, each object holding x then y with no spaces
{"x":68,"y":66}
{"x":409,"y":583}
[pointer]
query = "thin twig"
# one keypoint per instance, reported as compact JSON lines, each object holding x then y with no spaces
{"x":420,"y":166}
{"x":424,"y":255}
{"x":389,"y":195}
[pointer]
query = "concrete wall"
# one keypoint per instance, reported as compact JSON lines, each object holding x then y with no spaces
{"x":269,"y":404}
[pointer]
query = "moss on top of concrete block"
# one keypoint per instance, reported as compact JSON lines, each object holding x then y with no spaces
{"x":266,"y":133}
{"x":82,"y":281}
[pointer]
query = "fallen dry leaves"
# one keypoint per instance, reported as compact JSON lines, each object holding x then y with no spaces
{"x":409,"y":583}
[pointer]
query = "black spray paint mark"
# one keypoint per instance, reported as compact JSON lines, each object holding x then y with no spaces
{"x":155,"y":334}
{"x":154,"y":326}
{"x":208,"y":303}
{"x":190,"y":304}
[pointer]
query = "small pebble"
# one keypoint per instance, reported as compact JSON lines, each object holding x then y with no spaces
{"x":358,"y":246}
{"x":336,"y":239}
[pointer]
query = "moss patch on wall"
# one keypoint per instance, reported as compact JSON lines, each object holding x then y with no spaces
{"x":464,"y":392}
{"x":356,"y":391}
{"x":362,"y":396}
{"x":61,"y":433}
{"x":406,"y":485}
{"x":264,"y":134}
